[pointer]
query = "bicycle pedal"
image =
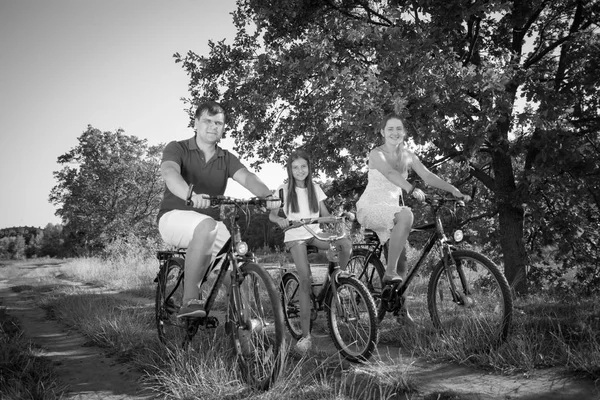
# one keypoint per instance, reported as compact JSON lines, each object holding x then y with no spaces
{"x":211,"y":322}
{"x":171,"y":307}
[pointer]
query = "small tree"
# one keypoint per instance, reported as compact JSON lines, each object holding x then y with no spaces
{"x":109,"y":186}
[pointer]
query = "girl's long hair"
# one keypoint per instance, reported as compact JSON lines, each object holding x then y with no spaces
{"x":292,"y":198}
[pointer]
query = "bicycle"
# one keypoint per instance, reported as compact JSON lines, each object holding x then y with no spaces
{"x":351,"y":311}
{"x":254,"y":319}
{"x":466,"y":290}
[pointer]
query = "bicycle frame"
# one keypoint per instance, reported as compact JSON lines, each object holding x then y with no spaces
{"x":333,"y":269}
{"x":227,"y":256}
{"x":438,"y":237}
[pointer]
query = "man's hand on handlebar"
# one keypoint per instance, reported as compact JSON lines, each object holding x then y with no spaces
{"x":200,"y":201}
{"x":273,"y":203}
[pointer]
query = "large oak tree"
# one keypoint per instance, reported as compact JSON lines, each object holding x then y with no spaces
{"x":507,"y":88}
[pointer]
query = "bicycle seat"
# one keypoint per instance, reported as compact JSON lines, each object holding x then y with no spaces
{"x":167,"y":254}
{"x":370,"y":236}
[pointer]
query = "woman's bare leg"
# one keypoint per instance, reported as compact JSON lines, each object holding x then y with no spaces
{"x":403,"y":221}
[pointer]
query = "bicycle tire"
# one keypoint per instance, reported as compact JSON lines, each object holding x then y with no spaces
{"x":290,"y":292}
{"x":257,"y":328}
{"x":370,"y":274}
{"x":485,"y":294}
{"x":356,"y":337}
{"x":172,"y":332}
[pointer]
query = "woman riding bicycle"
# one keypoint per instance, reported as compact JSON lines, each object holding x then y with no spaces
{"x":379,"y":206}
{"x":304,"y":199}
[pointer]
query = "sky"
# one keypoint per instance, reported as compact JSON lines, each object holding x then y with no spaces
{"x":67,"y":64}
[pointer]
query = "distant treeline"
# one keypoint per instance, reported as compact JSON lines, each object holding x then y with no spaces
{"x":28,"y":242}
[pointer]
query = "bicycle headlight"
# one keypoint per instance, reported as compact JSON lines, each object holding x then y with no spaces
{"x":458,"y":235}
{"x":241,"y":248}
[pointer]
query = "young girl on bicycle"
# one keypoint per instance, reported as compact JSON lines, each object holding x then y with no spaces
{"x":302,"y":198}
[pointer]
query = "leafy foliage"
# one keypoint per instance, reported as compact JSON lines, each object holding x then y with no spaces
{"x":109,"y":186}
{"x":506,"y":88}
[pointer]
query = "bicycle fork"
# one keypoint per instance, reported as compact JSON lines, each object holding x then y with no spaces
{"x":342,"y":305}
{"x":463,"y":297}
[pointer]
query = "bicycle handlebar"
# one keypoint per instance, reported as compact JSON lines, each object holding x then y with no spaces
{"x":330,"y":219}
{"x":436,"y":199}
{"x":220,"y":200}
{"x":216,"y":201}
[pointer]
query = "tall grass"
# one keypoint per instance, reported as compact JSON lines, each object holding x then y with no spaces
{"x":546,"y":332}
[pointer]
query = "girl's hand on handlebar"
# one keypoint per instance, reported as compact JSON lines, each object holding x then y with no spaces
{"x":200,"y":201}
{"x":418,"y":194}
{"x":282,"y":222}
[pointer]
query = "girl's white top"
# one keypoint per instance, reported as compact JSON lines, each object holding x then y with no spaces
{"x":304,"y":212}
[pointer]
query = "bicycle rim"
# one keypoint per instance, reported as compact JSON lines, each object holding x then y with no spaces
{"x":371,"y":273}
{"x":290,"y":299}
{"x":484,"y":309}
{"x":353,"y":325}
{"x":258,"y":327}
{"x":172,"y":331}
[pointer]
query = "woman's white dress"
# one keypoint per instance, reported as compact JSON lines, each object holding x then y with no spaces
{"x":378,"y":204}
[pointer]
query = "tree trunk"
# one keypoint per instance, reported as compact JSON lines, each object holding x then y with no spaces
{"x":511,"y":218}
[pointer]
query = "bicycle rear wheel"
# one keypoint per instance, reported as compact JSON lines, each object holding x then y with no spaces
{"x":257,"y":327}
{"x":371,"y":273}
{"x":484,"y":303}
{"x":353,"y":325}
{"x":168,"y":299}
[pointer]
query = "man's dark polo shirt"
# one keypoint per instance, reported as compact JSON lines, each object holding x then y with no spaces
{"x":208,"y":178}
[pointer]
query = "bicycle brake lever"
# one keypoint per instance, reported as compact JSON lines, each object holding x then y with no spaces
{"x":188,"y":198}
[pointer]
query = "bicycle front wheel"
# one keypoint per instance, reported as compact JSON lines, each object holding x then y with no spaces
{"x":257,"y":327}
{"x":353,"y":320}
{"x":370,"y":273}
{"x":172,"y":331}
{"x":482,"y":303}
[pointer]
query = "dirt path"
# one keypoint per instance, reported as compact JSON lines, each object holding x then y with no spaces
{"x":88,"y":372}
{"x":92,"y":375}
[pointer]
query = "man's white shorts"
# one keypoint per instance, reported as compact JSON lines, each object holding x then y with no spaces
{"x":177,"y":229}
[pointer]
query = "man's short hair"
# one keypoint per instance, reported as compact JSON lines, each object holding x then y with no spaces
{"x":212,"y":108}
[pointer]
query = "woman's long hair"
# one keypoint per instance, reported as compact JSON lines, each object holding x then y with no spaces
{"x":292,"y":198}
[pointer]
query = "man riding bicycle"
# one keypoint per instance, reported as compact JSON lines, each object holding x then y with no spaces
{"x":201,"y":162}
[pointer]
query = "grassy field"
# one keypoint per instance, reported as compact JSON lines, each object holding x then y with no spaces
{"x":547,"y":332}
